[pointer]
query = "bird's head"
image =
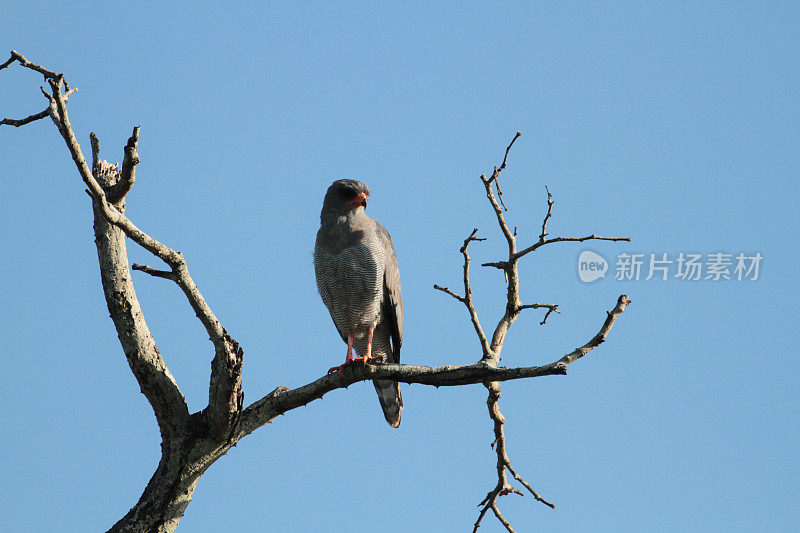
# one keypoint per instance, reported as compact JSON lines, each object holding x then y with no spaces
{"x":344,"y":197}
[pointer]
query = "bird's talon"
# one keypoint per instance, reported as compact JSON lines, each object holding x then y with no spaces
{"x":367,"y":360}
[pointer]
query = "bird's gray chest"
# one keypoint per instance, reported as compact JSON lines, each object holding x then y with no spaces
{"x":351,"y":283}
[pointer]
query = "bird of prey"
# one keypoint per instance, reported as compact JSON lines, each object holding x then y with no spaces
{"x":359,"y":281}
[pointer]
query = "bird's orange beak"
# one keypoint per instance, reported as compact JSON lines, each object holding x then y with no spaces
{"x":361,"y":199}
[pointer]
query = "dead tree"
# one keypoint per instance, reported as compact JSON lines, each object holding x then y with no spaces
{"x":192,"y":442}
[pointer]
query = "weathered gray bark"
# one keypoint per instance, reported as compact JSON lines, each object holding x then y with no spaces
{"x":169,"y":491}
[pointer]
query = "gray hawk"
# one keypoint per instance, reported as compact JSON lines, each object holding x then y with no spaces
{"x":359,"y":281}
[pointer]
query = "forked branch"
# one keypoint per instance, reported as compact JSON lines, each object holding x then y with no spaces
{"x":514,"y":306}
{"x":467,"y":298}
{"x":108,"y":185}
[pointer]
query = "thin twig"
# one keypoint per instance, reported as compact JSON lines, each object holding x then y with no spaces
{"x":9,"y":61}
{"x":473,"y":313}
{"x":551,"y":308}
{"x":27,"y":120}
{"x":498,"y":170}
{"x":448,"y":291}
{"x":547,"y":314}
{"x":496,"y":174}
{"x":594,"y":237}
{"x":548,"y":215}
{"x":467,"y":298}
{"x":530,"y":489}
{"x":164,"y":274}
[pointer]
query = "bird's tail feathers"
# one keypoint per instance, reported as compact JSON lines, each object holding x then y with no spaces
{"x":391,"y":400}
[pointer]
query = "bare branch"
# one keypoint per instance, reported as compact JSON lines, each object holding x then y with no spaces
{"x":502,"y":265}
{"x":498,"y":170}
{"x":473,"y":314}
{"x":503,"y":487}
{"x":510,"y":266}
{"x":514,"y":307}
{"x":547,"y":314}
{"x":164,"y":274}
{"x":26,"y":120}
{"x":95,"y":142}
{"x":535,"y":494}
{"x":548,"y":215}
{"x":48,"y":75}
{"x":9,"y":61}
{"x":498,"y":211}
{"x":16,"y":56}
{"x":144,"y":358}
{"x":467,"y":298}
{"x":225,"y":383}
{"x":487,"y":183}
{"x":284,"y":399}
{"x":495,"y":177}
{"x":40,"y":115}
{"x":127,"y":175}
{"x":622,"y":302}
{"x":594,"y":237}
{"x":551,"y":308}
{"x":448,"y":291}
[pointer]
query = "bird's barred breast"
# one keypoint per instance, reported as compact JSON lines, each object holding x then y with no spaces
{"x":351,"y":284}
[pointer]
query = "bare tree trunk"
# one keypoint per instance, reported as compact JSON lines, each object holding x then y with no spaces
{"x":186,"y":448}
{"x":164,"y":500}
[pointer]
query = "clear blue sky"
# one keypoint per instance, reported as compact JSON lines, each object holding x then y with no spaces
{"x":676,"y":126}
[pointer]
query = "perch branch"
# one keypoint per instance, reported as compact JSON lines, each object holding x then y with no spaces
{"x":283,"y":399}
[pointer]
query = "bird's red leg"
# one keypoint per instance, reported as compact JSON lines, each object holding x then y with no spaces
{"x":368,"y":357}
{"x":347,"y":360}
